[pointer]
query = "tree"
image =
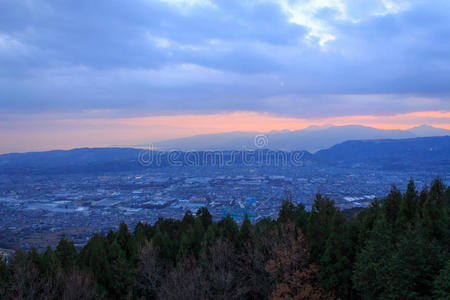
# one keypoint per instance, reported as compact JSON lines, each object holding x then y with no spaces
{"x":335,"y":263}
{"x":126,"y":241}
{"x":188,"y":220}
{"x":408,"y":207}
{"x":370,"y":271}
{"x":149,"y":271}
{"x":121,"y":275}
{"x":25,"y":278}
{"x":205,"y":217}
{"x":66,"y":253}
{"x":185,"y":281}
{"x":253,"y":260}
{"x":79,"y":286}
{"x":4,"y":278}
{"x":287,"y":212}
{"x":435,"y":218}
{"x":412,"y":267}
{"x":441,"y":284}
{"x":94,"y":256}
{"x":292,"y":275}
{"x":391,"y":206}
{"x":228,"y":229}
{"x":245,"y":230}
{"x":218,"y":263}
{"x":319,"y":223}
{"x":50,"y":264}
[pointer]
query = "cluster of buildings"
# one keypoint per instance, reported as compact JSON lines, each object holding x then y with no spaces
{"x":37,"y":210}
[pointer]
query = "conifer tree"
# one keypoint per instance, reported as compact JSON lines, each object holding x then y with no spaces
{"x":319,"y":223}
{"x":408,"y":204}
{"x":441,"y":285}
{"x":245,"y":230}
{"x":95,"y":257}
{"x":66,"y":253}
{"x":4,"y":278}
{"x":371,"y":266}
{"x":50,"y":264}
{"x":391,"y":206}
{"x":435,"y":217}
{"x":205,"y":217}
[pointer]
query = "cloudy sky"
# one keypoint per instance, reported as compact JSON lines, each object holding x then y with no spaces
{"x":122,"y":72}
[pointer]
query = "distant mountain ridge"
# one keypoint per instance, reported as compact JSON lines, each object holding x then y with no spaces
{"x":390,"y":154}
{"x":406,"y":154}
{"x":312,"y":139}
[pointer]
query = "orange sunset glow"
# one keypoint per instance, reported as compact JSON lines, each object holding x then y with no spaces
{"x":66,"y":133}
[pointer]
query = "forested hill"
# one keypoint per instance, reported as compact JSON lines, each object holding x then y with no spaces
{"x":404,"y":153}
{"x":398,"y":248}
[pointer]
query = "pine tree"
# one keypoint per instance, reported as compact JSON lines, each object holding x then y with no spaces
{"x":205,"y":217}
{"x":412,"y":267}
{"x":441,"y":284}
{"x":435,"y":217}
{"x":95,"y":257}
{"x":391,"y":206}
{"x":66,"y":253}
{"x":50,"y":264}
{"x":139,"y":235}
{"x":188,"y":219}
{"x":318,"y":228}
{"x":4,"y":278}
{"x":287,"y":212}
{"x":126,"y":241}
{"x":228,"y":229}
{"x":121,"y":275}
{"x":245,"y":230}
{"x":408,"y":204}
{"x":335,"y":264}
{"x":371,"y":266}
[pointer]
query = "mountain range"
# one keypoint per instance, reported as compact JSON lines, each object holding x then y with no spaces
{"x":312,"y":139}
{"x":399,"y":154}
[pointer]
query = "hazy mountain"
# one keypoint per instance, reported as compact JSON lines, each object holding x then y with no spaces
{"x":426,"y":130}
{"x":410,"y":153}
{"x":71,"y":161}
{"x":218,"y":141}
{"x":312,"y":139}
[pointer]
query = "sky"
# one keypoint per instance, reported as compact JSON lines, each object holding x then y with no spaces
{"x":121,"y":72}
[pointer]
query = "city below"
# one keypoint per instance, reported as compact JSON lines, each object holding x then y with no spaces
{"x":37,"y":209}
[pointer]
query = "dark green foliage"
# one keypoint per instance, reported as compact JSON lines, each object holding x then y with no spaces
{"x":121,"y":274}
{"x":391,"y":206}
{"x":245,"y":230}
{"x":441,"y":285}
{"x":408,"y":207}
{"x":66,"y":253}
{"x":50,"y":264}
{"x":435,"y":217}
{"x":205,"y":217}
{"x":228,"y":229}
{"x":319,"y":226}
{"x":4,"y":277}
{"x":94,"y":256}
{"x":370,"y":272}
{"x":398,"y":248}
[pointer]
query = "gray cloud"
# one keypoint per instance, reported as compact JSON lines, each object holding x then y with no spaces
{"x":150,"y":57}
